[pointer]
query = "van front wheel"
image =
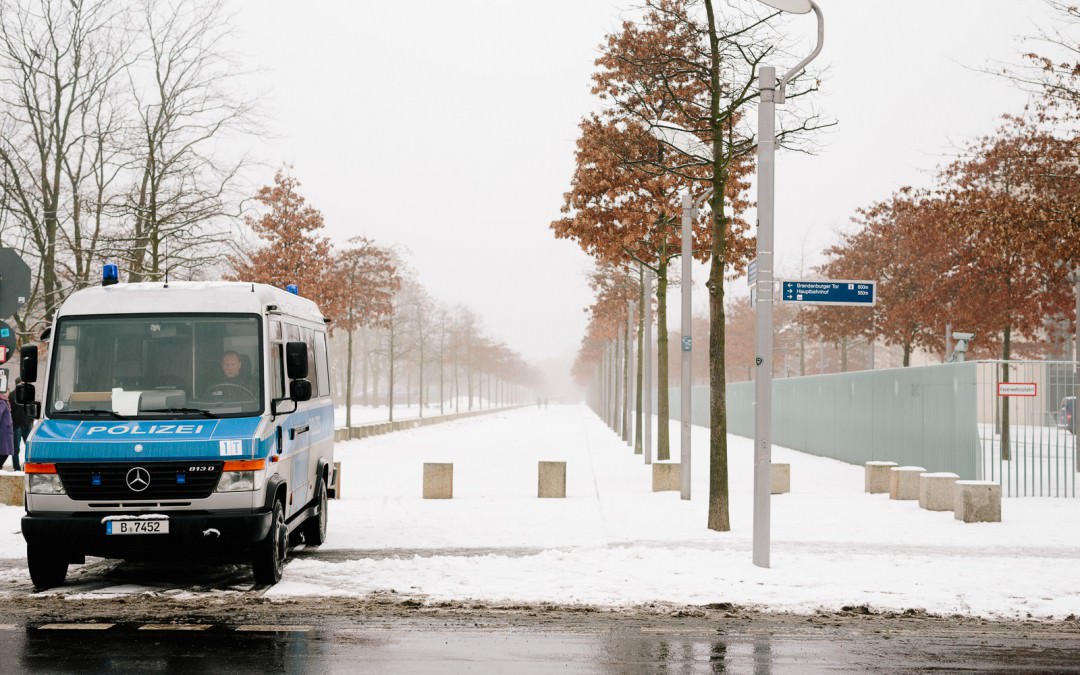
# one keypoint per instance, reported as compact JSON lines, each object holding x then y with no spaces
{"x":315,"y":526}
{"x":48,"y":567}
{"x":269,"y":561}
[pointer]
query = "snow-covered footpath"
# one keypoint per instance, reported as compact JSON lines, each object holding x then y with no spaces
{"x":614,"y":542}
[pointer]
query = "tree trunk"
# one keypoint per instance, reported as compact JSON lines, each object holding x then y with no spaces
{"x":420,"y":394}
{"x":364,"y":356}
{"x":391,"y":372}
{"x":625,"y":426}
{"x":663,"y":392}
{"x":638,"y":422}
{"x":719,"y":506}
{"x":348,"y":382}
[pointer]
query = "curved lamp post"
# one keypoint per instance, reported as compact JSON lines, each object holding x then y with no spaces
{"x":772,"y":92}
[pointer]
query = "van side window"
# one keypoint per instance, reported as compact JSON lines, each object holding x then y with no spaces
{"x":321,"y":364}
{"x":277,"y":369}
{"x":314,"y":376}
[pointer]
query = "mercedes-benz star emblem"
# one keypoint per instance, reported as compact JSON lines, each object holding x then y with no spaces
{"x":138,"y":479}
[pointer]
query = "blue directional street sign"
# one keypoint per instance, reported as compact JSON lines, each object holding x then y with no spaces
{"x":829,"y":292}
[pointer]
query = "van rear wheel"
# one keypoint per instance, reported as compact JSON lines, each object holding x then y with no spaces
{"x":268,"y":563}
{"x":315,"y":526}
{"x":48,"y":566}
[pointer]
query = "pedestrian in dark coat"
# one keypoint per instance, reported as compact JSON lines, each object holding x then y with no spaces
{"x":7,"y":439}
{"x":21,"y":424}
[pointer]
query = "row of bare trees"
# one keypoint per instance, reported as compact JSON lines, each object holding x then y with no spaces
{"x":392,"y":343}
{"x":113,"y":119}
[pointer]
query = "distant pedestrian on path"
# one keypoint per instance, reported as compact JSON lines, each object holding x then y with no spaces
{"x":7,"y":442}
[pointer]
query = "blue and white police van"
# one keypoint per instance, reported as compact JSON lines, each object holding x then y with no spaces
{"x":178,"y":420}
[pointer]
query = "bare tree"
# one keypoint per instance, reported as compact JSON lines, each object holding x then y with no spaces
{"x":186,"y":103}
{"x":58,"y":60}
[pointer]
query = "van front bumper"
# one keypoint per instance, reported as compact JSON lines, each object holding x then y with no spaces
{"x":191,"y":534}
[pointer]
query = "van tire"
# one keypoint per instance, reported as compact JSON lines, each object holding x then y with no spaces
{"x":315,"y":526}
{"x":268,"y":562}
{"x":48,"y":567}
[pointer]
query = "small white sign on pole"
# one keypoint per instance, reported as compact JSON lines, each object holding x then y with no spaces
{"x":1017,"y":388}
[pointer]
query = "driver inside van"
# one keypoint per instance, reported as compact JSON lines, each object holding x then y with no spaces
{"x":234,"y":384}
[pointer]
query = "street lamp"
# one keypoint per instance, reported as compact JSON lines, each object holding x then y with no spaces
{"x":772,"y":92}
{"x":688,"y":144}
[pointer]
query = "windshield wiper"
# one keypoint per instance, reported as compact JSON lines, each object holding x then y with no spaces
{"x":193,"y":411}
{"x":92,"y":412}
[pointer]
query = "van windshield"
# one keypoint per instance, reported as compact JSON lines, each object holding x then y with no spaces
{"x":154,"y":367}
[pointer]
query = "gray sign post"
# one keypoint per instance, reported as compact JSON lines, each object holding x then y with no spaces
{"x":14,"y":282}
{"x":772,"y":92}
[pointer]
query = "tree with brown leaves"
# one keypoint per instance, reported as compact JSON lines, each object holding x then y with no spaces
{"x":681,"y":68}
{"x":295,"y":252}
{"x":368,"y":280}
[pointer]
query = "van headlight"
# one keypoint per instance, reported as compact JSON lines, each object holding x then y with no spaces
{"x":236,"y":481}
{"x":44,"y":484}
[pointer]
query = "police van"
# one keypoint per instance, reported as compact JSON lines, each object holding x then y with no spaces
{"x":181,"y":419}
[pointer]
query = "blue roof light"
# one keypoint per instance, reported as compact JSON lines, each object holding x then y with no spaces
{"x":109,"y":274}
{"x":293,"y":288}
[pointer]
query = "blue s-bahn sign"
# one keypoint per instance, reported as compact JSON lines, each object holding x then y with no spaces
{"x":829,"y":292}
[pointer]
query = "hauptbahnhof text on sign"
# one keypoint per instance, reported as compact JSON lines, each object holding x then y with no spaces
{"x":829,"y":292}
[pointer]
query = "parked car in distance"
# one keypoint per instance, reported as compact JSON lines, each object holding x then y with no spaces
{"x":1067,"y":414}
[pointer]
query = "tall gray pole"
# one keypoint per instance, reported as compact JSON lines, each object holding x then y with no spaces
{"x":646,"y":389}
{"x":687,"y":331}
{"x":631,"y":380}
{"x":764,"y":315}
{"x":770,"y":96}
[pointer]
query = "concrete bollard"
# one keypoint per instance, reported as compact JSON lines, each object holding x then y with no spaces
{"x":904,"y":482}
{"x":11,"y":489}
{"x":877,"y":476}
{"x":977,"y":501}
{"x":936,"y":491}
{"x":666,"y":476}
{"x":781,"y":478}
{"x":438,"y":480}
{"x":551,"y":482}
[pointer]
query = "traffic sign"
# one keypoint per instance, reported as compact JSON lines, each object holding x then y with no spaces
{"x":829,"y":292}
{"x":687,"y":343}
{"x":7,"y":342}
{"x":751,"y":273}
{"x":14,"y":282}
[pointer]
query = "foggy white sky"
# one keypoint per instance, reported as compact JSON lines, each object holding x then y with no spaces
{"x":448,"y":129}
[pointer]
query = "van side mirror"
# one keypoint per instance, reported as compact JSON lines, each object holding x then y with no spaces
{"x":28,"y":358}
{"x":24,"y":396}
{"x":296,"y":360}
{"x":300,"y":390}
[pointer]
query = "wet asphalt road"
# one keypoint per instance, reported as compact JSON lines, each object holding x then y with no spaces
{"x":211,"y":619}
{"x":409,"y":648}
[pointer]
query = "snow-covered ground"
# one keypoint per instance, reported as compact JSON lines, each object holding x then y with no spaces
{"x":614,"y":542}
